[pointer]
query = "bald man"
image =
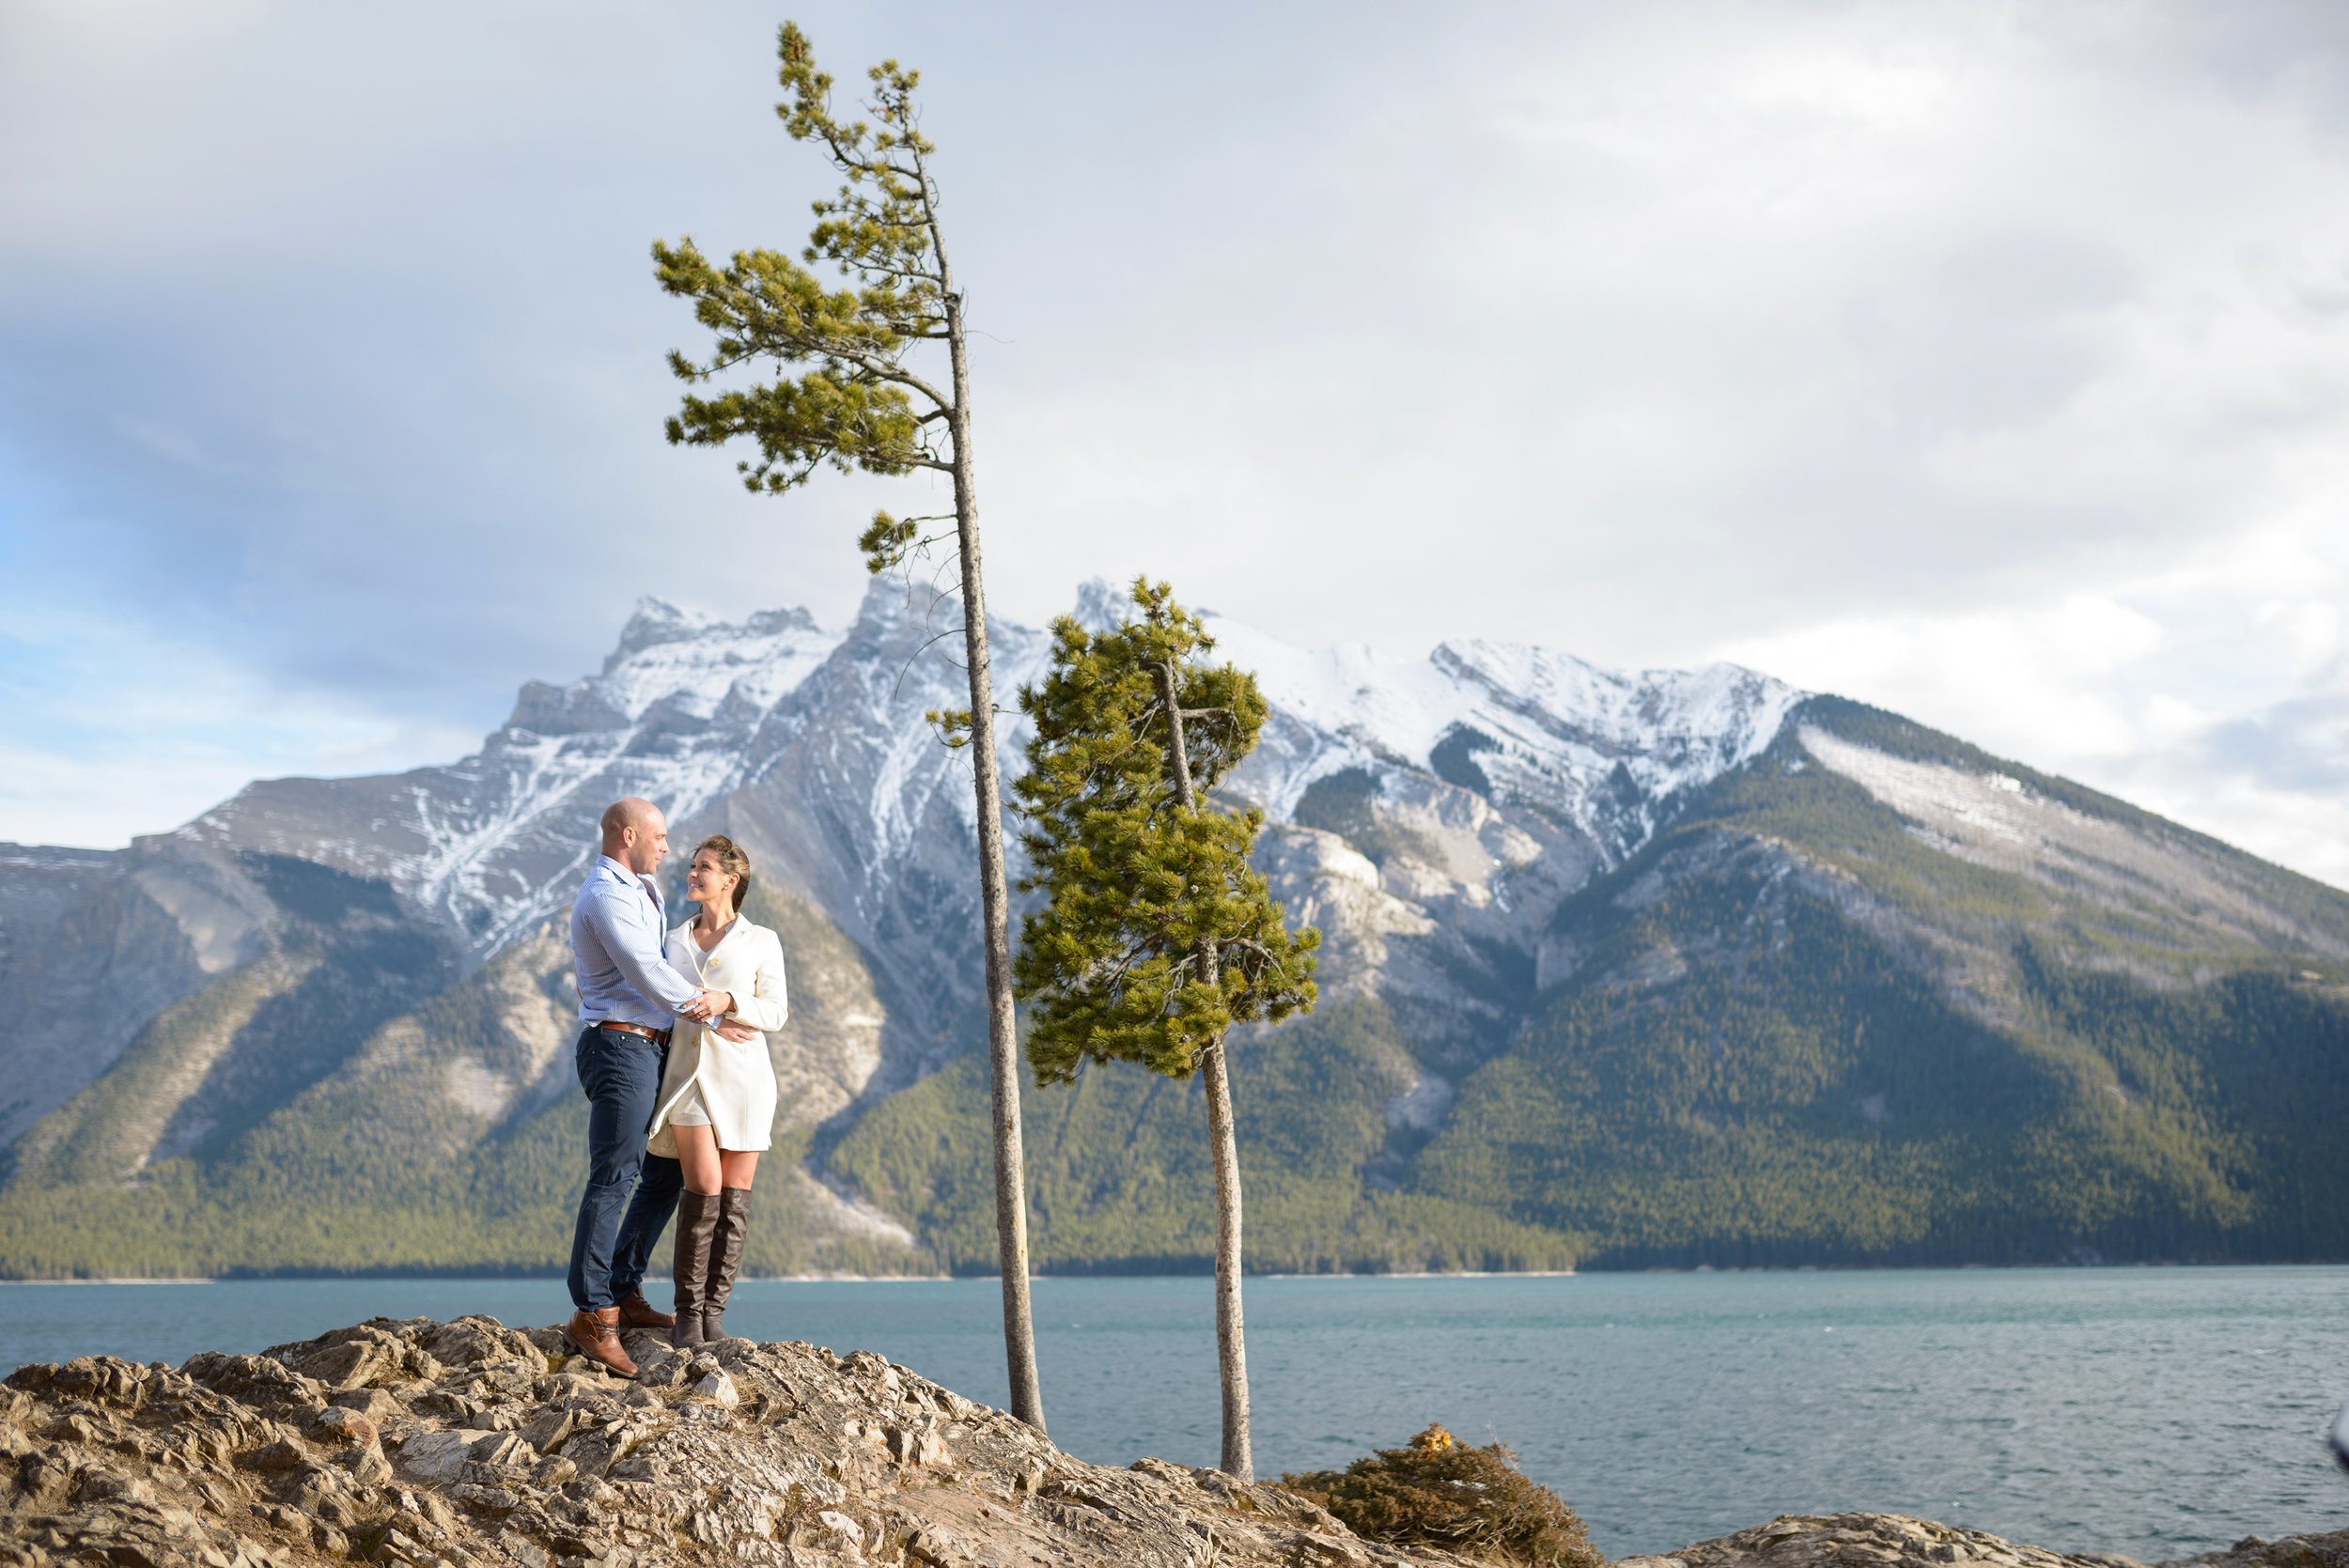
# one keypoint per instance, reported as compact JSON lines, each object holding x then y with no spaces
{"x":629,"y":999}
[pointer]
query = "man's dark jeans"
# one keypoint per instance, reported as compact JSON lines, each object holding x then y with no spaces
{"x":621,"y":1074}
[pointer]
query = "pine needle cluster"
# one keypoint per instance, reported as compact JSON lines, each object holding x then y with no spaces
{"x":1439,"y":1492}
{"x":1159,"y":936}
{"x":859,"y":404}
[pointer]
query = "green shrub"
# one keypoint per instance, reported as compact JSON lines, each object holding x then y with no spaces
{"x":1439,"y":1492}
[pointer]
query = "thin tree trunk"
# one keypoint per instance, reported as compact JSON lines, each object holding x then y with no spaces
{"x":1231,"y":1346}
{"x":1231,"y":1343}
{"x":1177,"y":753}
{"x":1003,"y":1040}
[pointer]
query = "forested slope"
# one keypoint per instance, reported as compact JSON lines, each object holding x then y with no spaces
{"x":1800,"y":1026}
{"x":449,"y":1139}
{"x":1804,"y":1027}
{"x":1118,"y":1176}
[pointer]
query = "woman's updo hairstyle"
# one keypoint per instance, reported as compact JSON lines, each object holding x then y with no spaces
{"x":733,"y":863}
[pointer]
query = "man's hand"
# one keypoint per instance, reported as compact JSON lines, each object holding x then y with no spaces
{"x":740,"y":1033}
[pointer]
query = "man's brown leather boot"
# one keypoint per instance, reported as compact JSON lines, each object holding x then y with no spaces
{"x":637,"y":1312}
{"x":596,"y":1334}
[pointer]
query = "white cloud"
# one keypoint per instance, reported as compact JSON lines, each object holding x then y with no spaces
{"x":111,"y":734}
{"x":1989,"y":362}
{"x":2216,"y":692}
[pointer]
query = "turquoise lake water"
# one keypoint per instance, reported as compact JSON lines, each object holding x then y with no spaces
{"x":2151,"y":1412}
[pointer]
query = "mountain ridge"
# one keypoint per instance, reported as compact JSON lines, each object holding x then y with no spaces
{"x":1490,"y":838}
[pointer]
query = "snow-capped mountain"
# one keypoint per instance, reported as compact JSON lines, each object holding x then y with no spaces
{"x":824,"y":730}
{"x":488,"y":846}
{"x":1427,"y":813}
{"x":1595,"y":748}
{"x":375,"y":965}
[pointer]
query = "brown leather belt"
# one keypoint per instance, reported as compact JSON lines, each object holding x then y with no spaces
{"x":658,"y":1036}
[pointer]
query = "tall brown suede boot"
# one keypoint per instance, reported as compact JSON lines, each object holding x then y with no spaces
{"x":725,"y":1260}
{"x":696,"y":1219}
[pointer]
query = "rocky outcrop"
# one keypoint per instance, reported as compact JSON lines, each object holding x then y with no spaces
{"x":469,"y":1445}
{"x":2330,"y":1550}
{"x":1866,"y":1541}
{"x":418,"y":1444}
{"x":1896,"y":1541}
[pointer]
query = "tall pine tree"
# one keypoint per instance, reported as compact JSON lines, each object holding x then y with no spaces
{"x":1157,"y":937}
{"x":862,"y":404}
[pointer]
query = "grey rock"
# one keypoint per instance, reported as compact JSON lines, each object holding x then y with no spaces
{"x":2329,"y":1550}
{"x":1897,"y":1541}
{"x":285,"y":1455}
{"x":257,"y":1381}
{"x":546,"y":1430}
{"x":473,"y":1341}
{"x":369,"y":1402}
{"x":432,"y":1456}
{"x":366,"y":1465}
{"x":554,"y":1471}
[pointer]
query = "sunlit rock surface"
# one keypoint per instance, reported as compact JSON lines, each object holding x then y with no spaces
{"x":465,"y":1444}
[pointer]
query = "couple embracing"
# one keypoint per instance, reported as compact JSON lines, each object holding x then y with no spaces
{"x":680,"y":1092}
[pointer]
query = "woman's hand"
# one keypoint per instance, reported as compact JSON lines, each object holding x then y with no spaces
{"x":740,"y":1033}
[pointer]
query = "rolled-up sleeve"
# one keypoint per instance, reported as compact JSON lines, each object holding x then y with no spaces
{"x":631,"y":938}
{"x":768,"y":1005}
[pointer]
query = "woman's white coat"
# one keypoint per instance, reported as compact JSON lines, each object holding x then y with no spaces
{"x":737,"y":1078}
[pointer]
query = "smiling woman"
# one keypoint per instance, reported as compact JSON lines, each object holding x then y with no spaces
{"x":716,"y":1111}
{"x":1918,"y":321}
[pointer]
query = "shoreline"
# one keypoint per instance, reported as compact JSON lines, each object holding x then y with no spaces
{"x":354,"y":1276}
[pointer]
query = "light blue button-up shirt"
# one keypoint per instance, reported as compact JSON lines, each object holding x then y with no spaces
{"x":616,"y":943}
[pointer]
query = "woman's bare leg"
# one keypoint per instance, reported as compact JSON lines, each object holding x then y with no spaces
{"x":739,"y":1165}
{"x":697,"y":1152}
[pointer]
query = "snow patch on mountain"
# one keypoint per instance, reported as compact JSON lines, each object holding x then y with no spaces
{"x":697,"y":664}
{"x":1601,"y":749}
{"x":492,"y":844}
{"x":689,"y":710}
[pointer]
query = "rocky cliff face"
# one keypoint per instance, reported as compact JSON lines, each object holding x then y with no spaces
{"x":470,"y":1445}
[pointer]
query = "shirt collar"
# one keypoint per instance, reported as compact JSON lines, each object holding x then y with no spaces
{"x":605,"y":863}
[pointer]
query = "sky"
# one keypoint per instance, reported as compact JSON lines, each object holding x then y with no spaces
{"x":1989,"y":363}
